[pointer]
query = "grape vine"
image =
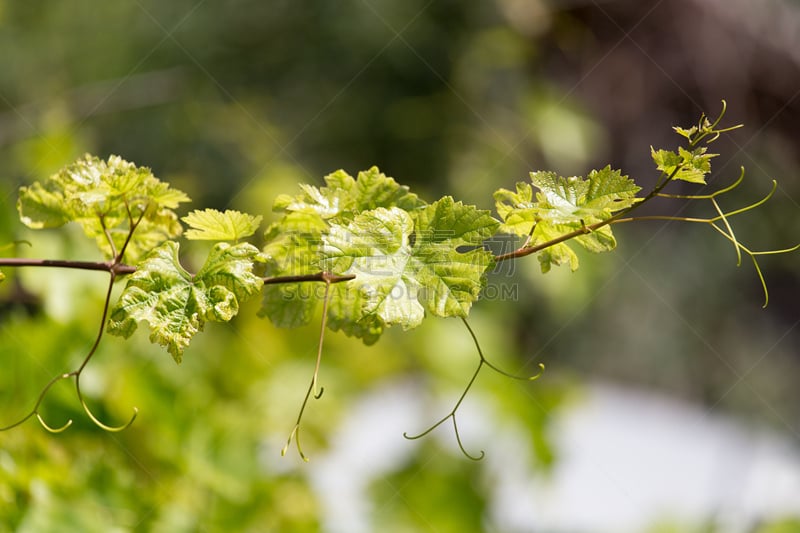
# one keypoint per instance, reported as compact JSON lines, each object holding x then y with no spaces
{"x":381,"y":255}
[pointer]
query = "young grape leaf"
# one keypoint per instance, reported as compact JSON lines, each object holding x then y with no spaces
{"x":452,"y":279}
{"x":577,"y":200}
{"x":176,"y":304}
{"x":516,"y":209}
{"x":107,"y":199}
{"x":344,"y":196}
{"x":562,"y":206}
{"x":688,"y":133}
{"x":685,"y":165}
{"x":213,"y":225}
{"x":375,"y":247}
{"x":406,"y":265}
{"x":293,"y":243}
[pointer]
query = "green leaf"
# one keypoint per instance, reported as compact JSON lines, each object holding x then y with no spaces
{"x":609,"y":192}
{"x":452,"y":279}
{"x":175,"y":304}
{"x":565,"y":201}
{"x":344,"y":196}
{"x":684,"y":165}
{"x":290,"y":305}
{"x":108,"y":199}
{"x":375,"y":247}
{"x":43,"y":205}
{"x":516,"y":209}
{"x":2,"y":276}
{"x":563,"y":206}
{"x":345,"y":314}
{"x":406,"y":265}
{"x":293,"y":243}
{"x":213,"y":225}
{"x":582,"y":201}
{"x":687,"y":133}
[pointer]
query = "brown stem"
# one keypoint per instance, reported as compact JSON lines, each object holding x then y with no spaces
{"x":326,"y":277}
{"x":119,"y":269}
{"x":527,"y":250}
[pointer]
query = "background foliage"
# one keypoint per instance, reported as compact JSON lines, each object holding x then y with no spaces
{"x":235,"y":102}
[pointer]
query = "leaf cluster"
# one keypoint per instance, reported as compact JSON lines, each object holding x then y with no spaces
{"x":563,"y":206}
{"x":404,"y":253}
{"x":368,"y":250}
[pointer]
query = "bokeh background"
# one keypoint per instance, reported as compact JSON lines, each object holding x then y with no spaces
{"x":670,"y":400}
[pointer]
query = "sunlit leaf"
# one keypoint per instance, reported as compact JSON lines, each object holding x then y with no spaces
{"x":407,"y":265}
{"x":578,"y":200}
{"x":688,"y":133}
{"x":175,"y":304}
{"x":293,"y":243}
{"x":213,"y":225}
{"x":684,"y":165}
{"x":107,"y":199}
{"x":344,"y":195}
{"x":566,"y":206}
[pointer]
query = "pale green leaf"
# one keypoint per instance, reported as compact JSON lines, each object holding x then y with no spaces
{"x":573,"y":201}
{"x":43,"y":205}
{"x":516,"y":209}
{"x":684,"y":132}
{"x":609,"y":192}
{"x":452,"y":279}
{"x":600,"y":240}
{"x":375,"y":247}
{"x":343,"y":196}
{"x":107,"y":199}
{"x":685,"y":165}
{"x":290,"y":305}
{"x":345,"y":314}
{"x":231,"y":266}
{"x":213,"y":225}
{"x":566,"y":206}
{"x":559,"y":198}
{"x":175,"y":304}
{"x":407,"y":265}
{"x":583,"y":201}
{"x":293,"y":243}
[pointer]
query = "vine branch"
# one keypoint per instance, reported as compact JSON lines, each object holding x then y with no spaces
{"x":104,"y":266}
{"x":704,"y":131}
{"x":325,"y":277}
{"x":123,"y":269}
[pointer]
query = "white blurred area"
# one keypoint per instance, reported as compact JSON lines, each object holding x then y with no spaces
{"x":627,"y":459}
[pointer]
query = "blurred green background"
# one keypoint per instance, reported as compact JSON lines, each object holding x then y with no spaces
{"x":235,"y":102}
